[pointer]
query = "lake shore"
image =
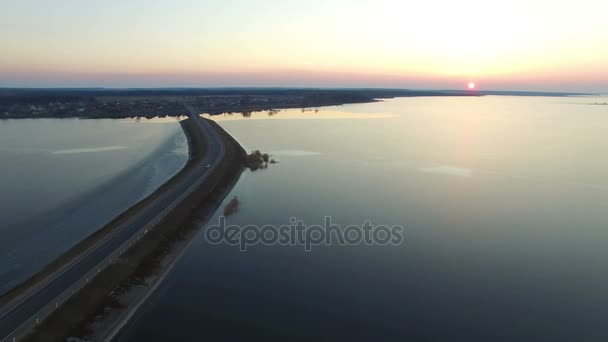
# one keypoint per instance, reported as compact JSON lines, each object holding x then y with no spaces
{"x":129,"y":103}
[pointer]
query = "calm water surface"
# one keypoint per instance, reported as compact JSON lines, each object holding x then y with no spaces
{"x":505,"y":204}
{"x":60,"y":180}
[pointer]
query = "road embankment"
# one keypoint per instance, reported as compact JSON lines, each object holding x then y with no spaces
{"x":153,"y":252}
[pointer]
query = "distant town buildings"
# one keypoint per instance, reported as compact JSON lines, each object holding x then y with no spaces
{"x":155,"y":106}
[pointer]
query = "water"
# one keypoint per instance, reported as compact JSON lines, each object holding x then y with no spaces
{"x":505,"y":204}
{"x":61,"y":180}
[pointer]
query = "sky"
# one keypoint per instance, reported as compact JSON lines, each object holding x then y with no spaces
{"x":551,"y":45}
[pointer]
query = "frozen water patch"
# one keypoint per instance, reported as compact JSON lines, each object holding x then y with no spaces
{"x":448,"y":170}
{"x":91,"y":150}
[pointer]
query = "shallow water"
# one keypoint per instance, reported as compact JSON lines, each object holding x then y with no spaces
{"x":60,"y":180}
{"x":504,"y":201}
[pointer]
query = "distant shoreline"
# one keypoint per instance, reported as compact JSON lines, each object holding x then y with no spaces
{"x":149,"y":103}
{"x":118,"y":104}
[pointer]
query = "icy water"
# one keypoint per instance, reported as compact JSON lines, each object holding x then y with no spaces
{"x":504,"y":201}
{"x":60,"y":180}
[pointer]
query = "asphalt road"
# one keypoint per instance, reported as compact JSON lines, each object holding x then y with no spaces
{"x":12,"y":318}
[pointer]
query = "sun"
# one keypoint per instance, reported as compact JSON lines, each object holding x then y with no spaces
{"x":472,"y":85}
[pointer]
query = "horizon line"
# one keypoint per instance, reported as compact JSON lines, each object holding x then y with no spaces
{"x":176,"y":88}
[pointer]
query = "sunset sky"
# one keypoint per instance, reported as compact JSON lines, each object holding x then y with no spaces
{"x":431,"y":44}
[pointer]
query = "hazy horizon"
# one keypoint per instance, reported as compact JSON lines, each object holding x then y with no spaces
{"x":219,"y":88}
{"x":536,"y":45}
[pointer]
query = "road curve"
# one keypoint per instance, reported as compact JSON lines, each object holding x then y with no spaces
{"x":17,"y":316}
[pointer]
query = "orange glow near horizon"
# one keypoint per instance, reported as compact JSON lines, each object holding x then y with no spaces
{"x":401,"y":44}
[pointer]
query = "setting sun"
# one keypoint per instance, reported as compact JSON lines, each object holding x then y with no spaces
{"x":472,"y":85}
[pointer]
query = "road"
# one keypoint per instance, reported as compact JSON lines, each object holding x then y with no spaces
{"x":18,"y":315}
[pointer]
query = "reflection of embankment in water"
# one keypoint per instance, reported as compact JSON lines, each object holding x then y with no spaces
{"x":36,"y":242}
{"x":169,"y":162}
{"x":232,"y":206}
